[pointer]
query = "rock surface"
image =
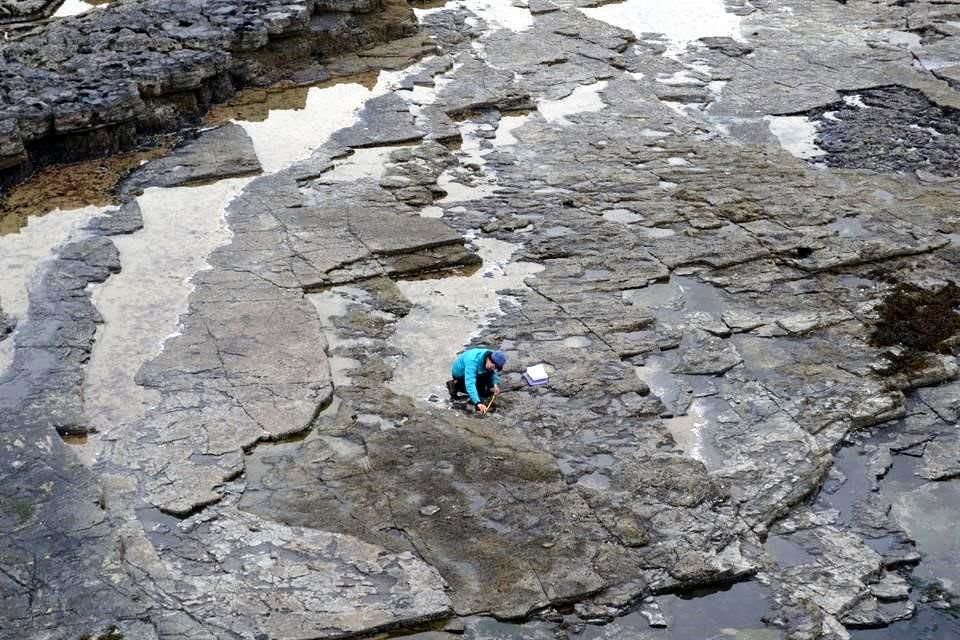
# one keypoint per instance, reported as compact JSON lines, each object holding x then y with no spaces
{"x":96,"y":83}
{"x":713,"y":311}
{"x":6,"y":324}
{"x":224,"y":152}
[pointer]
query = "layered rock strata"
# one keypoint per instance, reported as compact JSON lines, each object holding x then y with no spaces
{"x":98,"y":83}
{"x":711,"y":310}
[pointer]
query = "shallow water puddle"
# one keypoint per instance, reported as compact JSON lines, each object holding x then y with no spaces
{"x":680,"y":21}
{"x":498,"y":14}
{"x":508,"y":124}
{"x":142,"y":304}
{"x":76,"y":7}
{"x":695,"y":414}
{"x":447,"y":313}
{"x":928,"y":513}
{"x":66,"y":187}
{"x":734,"y":612}
{"x":362,"y":163}
{"x":797,"y":135}
{"x":289,"y":135}
{"x":331,"y":303}
{"x":585,"y":98}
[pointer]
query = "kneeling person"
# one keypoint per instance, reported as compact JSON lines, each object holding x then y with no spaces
{"x":476,"y":373}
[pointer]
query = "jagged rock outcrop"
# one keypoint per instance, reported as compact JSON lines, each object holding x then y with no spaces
{"x":97,"y":83}
{"x":14,"y":11}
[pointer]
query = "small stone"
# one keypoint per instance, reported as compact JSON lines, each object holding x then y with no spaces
{"x":429,"y":510}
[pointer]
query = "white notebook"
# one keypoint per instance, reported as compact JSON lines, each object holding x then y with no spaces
{"x":536,"y":373}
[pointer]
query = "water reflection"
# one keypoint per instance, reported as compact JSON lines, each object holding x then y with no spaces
{"x":68,"y":187}
{"x":447,"y":313}
{"x":680,"y":21}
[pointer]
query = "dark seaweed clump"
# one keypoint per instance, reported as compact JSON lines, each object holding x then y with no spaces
{"x":919,"y":321}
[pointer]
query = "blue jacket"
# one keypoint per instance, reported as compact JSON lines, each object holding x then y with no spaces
{"x":468,"y":366}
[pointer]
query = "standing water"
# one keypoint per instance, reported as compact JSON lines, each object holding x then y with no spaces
{"x":680,"y":21}
{"x":447,"y":313}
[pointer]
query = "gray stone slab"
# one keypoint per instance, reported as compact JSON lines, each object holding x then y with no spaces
{"x":383,"y":121}
{"x":224,"y":152}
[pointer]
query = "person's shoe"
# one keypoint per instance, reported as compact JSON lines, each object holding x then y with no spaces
{"x":452,"y":388}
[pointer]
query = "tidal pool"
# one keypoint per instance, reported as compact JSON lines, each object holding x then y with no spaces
{"x":680,"y":21}
{"x":141,"y":305}
{"x":585,"y":98}
{"x":447,"y":312}
{"x":927,"y":510}
{"x":797,"y":135}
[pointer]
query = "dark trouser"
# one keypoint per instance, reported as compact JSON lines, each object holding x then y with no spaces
{"x":484,"y":385}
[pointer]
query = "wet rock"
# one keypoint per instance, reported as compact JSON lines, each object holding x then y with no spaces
{"x":835,"y":580}
{"x":727,"y":46}
{"x":542,"y":6}
{"x":125,"y":220}
{"x":477,"y":86}
{"x":941,"y":458}
{"x":92,"y":84}
{"x":224,"y":152}
{"x":412,"y":174}
{"x":52,"y":513}
{"x":872,"y":612}
{"x":891,"y":588}
{"x":707,"y":354}
{"x":42,"y":387}
{"x":429,"y":508}
{"x":651,"y":611}
{"x":26,"y":10}
{"x":310,"y":574}
{"x":803,"y":322}
{"x":383,"y":121}
{"x":417,"y":509}
{"x":7,"y":324}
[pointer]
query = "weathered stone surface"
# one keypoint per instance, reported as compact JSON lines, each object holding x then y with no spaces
{"x":382,"y":121}
{"x":706,"y":307}
{"x":125,"y":220}
{"x":224,"y":152}
{"x":92,"y":84}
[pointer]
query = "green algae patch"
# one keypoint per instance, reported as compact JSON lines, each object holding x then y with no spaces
{"x":22,"y":510}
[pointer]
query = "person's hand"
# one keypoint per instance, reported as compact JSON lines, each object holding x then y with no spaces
{"x":496,"y":389}
{"x":482,"y":408}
